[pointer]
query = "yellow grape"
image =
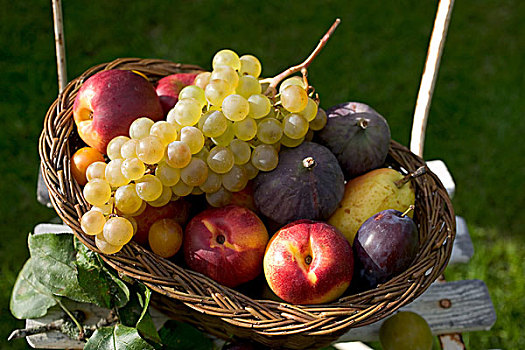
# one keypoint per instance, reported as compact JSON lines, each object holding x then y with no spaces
{"x":181,"y":189}
{"x":150,"y":149}
{"x":241,"y":151}
{"x":165,"y":237}
{"x":114,"y":174}
{"x":129,"y":149}
{"x":148,"y":187}
{"x":235,"y":107}
{"x":167,"y":175}
{"x":104,"y":246}
{"x":250,"y":65}
{"x":132,"y":168}
{"x":193,"y":137}
{"x":193,"y":91}
{"x":127,"y":200}
{"x":220,"y":159}
{"x":186,"y":112}
{"x":117,"y":231}
{"x":165,"y":131}
{"x":294,"y":98}
{"x":97,"y":192}
{"x":236,"y":179}
{"x":216,"y":91}
{"x":114,"y":146}
{"x":92,"y":222}
{"x":310,"y":111}
{"x":140,"y":128}
{"x":248,"y":85}
{"x":319,"y":121}
{"x":212,"y":184}
{"x":246,"y":129}
{"x":226,"y":57}
{"x":202,"y":79}
{"x":220,"y":198}
{"x":195,"y":173}
{"x":178,"y":154}
{"x":164,"y":198}
{"x":96,"y":170}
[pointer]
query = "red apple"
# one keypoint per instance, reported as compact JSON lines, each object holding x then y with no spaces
{"x":308,"y":262}
{"x":109,"y":101}
{"x":226,"y":244}
{"x":168,"y":88}
{"x":178,"y":210}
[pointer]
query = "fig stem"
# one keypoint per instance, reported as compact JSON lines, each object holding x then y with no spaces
{"x":410,"y":208}
{"x":303,"y":66}
{"x":363,"y":123}
{"x":309,"y":163}
{"x":417,"y":173}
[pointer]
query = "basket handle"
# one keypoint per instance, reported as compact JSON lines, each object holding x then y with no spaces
{"x":428,"y":79}
{"x":58,"y":25}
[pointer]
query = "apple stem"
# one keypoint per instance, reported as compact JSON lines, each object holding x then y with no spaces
{"x":419,"y":171}
{"x":308,"y":260}
{"x":272,"y":89}
{"x":221,"y":239}
{"x":410,"y":208}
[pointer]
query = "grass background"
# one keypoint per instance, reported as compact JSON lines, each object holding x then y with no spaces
{"x":376,"y":56}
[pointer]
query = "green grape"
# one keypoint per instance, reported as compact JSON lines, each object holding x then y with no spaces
{"x":319,"y":121}
{"x":220,"y":159}
{"x":178,"y":154}
{"x":193,"y":91}
{"x":228,"y":74}
{"x":247,"y":86}
{"x":245,"y":129}
{"x":251,"y":171}
{"x":226,"y":138}
{"x":196,"y":191}
{"x":141,"y":209}
{"x":129,"y":149}
{"x":212,"y":184}
{"x":310,"y":111}
{"x":127,"y":200}
{"x":165,"y":131}
{"x":167,"y":175}
{"x":236,"y":179}
{"x":265,"y":157}
{"x":295,"y":126}
{"x":132,"y":168}
{"x":170,"y":118}
{"x":150,"y":150}
{"x":181,"y":189}
{"x":216,"y":91}
{"x":215,"y":124}
{"x":235,"y":107}
{"x":96,"y":170}
{"x":203,"y":153}
{"x":114,"y":146}
{"x":220,"y":198}
{"x":260,"y":106}
{"x":140,"y":128}
{"x":114,"y":174}
{"x":294,"y":98}
{"x":104,"y":246}
{"x":106,"y":208}
{"x":148,"y":187}
{"x":298,"y":81}
{"x":250,"y":65}
{"x":226,"y":57}
{"x":186,"y":112}
{"x":202,"y":79}
{"x":289,"y":142}
{"x":203,"y":118}
{"x":195,"y":173}
{"x":117,"y":231}
{"x":193,"y":137}
{"x":241,"y":151}
{"x":269,"y":130}
{"x":405,"y":330}
{"x":164,"y":198}
{"x":92,"y":222}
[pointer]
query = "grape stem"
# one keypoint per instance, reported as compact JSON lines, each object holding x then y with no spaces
{"x":271,"y":91}
{"x":419,"y":171}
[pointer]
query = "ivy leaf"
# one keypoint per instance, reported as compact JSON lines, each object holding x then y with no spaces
{"x":181,"y":336}
{"x":104,"y":288}
{"x":30,"y":298}
{"x":119,"y":337}
{"x":53,"y":264}
{"x":135,"y":313}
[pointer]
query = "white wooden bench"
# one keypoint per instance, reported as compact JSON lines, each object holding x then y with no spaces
{"x":449,"y":307}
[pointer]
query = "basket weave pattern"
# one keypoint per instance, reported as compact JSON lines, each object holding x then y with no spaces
{"x":191,"y":297}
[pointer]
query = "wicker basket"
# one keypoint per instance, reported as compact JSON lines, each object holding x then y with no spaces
{"x":191,"y":297}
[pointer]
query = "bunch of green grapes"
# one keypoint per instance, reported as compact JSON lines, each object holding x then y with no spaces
{"x":221,"y":132}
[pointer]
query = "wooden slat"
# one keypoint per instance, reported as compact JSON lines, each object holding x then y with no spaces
{"x":459,"y":306}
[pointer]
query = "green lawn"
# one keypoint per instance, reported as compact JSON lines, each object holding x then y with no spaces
{"x":376,"y":56}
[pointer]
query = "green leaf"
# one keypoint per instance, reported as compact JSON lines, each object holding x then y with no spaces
{"x":181,"y":336}
{"x":53,"y":257}
{"x":30,"y":298}
{"x":135,"y":313}
{"x":98,"y":282}
{"x":118,"y":337}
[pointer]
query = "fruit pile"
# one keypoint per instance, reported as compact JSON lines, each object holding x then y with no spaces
{"x":210,"y":163}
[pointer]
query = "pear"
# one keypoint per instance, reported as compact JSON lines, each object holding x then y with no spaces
{"x":370,"y":193}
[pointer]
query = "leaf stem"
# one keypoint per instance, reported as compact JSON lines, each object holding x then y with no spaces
{"x":75,"y":321}
{"x":303,"y":66}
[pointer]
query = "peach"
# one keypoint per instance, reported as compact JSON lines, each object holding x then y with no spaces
{"x":226,"y":244}
{"x":109,"y":101}
{"x":308,"y":262}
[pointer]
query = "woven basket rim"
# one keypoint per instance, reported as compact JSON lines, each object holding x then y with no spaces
{"x":223,"y":311}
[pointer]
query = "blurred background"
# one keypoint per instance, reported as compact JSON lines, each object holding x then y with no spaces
{"x":376,"y":56}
